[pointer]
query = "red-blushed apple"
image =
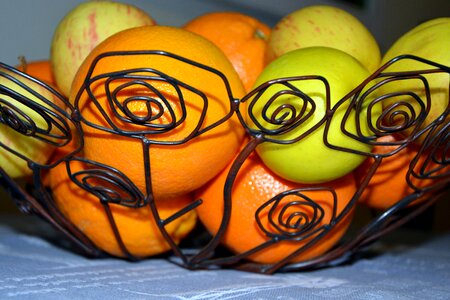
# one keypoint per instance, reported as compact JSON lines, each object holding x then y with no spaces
{"x":310,"y":160}
{"x":429,"y":40}
{"x":328,"y":26}
{"x":83,"y":28}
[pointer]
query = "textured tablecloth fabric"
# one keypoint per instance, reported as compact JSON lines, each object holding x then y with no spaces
{"x":32,"y":267}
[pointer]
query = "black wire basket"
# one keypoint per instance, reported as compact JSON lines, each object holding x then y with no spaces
{"x":65,"y":123}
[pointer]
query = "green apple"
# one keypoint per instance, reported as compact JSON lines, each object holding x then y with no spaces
{"x":328,"y":26}
{"x":310,"y":160}
{"x":429,"y":40}
{"x":16,"y":130}
{"x":83,"y":28}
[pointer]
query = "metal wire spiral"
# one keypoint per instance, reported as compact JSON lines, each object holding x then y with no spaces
{"x":269,"y":122}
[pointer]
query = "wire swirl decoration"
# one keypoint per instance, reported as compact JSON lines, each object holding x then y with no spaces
{"x":430,"y":169}
{"x":163,"y":112}
{"x":109,"y":185}
{"x":288,"y":114}
{"x":34,"y":110}
{"x":292,"y":215}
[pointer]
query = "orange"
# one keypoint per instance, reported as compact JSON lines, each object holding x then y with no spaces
{"x":136,"y":226}
{"x":40,"y":69}
{"x":61,"y":153}
{"x":389,"y":184}
{"x":241,"y":37}
{"x":255,"y":185}
{"x":139,"y":109}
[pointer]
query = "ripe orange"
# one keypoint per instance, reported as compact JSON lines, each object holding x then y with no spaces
{"x":241,"y":37}
{"x":40,"y":69}
{"x":175,"y":169}
{"x":389,"y":183}
{"x":136,"y":226}
{"x":255,"y":185}
{"x":60,"y":153}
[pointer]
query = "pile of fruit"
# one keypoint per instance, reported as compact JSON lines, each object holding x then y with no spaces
{"x":279,"y":131}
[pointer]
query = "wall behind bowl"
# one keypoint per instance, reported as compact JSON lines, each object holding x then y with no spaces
{"x":26,"y":26}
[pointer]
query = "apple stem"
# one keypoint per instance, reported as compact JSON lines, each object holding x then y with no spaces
{"x":23,"y":63}
{"x":260,"y":34}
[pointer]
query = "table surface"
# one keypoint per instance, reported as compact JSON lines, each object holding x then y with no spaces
{"x":32,"y":266}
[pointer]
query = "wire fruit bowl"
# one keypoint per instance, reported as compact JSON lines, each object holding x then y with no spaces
{"x":64,"y":127}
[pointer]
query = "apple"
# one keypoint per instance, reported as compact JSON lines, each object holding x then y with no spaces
{"x":83,"y":28}
{"x":429,"y":40}
{"x":18,"y":122}
{"x":310,"y":160}
{"x":328,"y":26}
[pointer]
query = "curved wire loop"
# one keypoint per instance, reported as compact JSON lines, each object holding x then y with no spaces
{"x":367,"y":113}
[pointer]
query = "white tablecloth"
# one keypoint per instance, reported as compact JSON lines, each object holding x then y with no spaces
{"x":33,"y":266}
